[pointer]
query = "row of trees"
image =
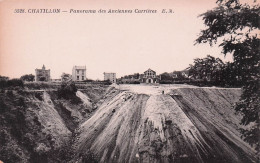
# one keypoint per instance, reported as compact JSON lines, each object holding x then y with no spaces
{"x":213,"y":71}
{"x":27,"y":77}
{"x":206,"y":68}
{"x":6,"y":82}
{"x":209,"y":70}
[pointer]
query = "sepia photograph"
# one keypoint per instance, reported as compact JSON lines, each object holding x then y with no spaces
{"x":136,"y":81}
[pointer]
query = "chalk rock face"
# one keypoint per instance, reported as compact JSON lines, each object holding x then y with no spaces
{"x":184,"y":125}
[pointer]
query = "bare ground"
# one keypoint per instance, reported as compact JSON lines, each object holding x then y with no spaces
{"x":123,"y":123}
{"x":185,"y":124}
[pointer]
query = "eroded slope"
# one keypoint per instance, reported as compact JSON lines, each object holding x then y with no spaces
{"x":37,"y":125}
{"x":185,"y":125}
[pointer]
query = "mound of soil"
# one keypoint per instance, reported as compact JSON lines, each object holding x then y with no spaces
{"x":184,"y":125}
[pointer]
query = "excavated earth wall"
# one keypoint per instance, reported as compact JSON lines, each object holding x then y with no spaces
{"x":38,"y":126}
{"x":184,"y":125}
{"x":124,"y":123}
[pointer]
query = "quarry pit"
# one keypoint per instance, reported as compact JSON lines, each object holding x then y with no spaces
{"x":128,"y":123}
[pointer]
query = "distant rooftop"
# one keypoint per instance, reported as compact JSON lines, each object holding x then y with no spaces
{"x":109,"y":72}
{"x":150,"y":70}
{"x":43,"y":68}
{"x":79,"y":67}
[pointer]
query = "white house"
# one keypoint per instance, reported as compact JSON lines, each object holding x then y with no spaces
{"x":79,"y":73}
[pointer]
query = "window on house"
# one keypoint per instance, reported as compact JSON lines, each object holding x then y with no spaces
{"x":77,"y":71}
{"x":77,"y":77}
{"x":82,"y":77}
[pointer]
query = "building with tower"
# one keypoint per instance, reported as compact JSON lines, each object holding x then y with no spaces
{"x":42,"y":74}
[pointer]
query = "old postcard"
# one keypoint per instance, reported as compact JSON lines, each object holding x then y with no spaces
{"x":129,"y":81}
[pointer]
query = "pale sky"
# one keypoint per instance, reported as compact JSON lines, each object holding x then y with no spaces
{"x":120,"y":43}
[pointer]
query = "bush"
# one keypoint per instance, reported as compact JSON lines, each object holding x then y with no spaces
{"x":3,"y":84}
{"x":67,"y":89}
{"x":28,"y":77}
{"x":68,"y":92}
{"x":14,"y":83}
{"x":107,"y":82}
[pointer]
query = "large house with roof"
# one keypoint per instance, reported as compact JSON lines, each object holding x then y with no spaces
{"x":149,"y":76}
